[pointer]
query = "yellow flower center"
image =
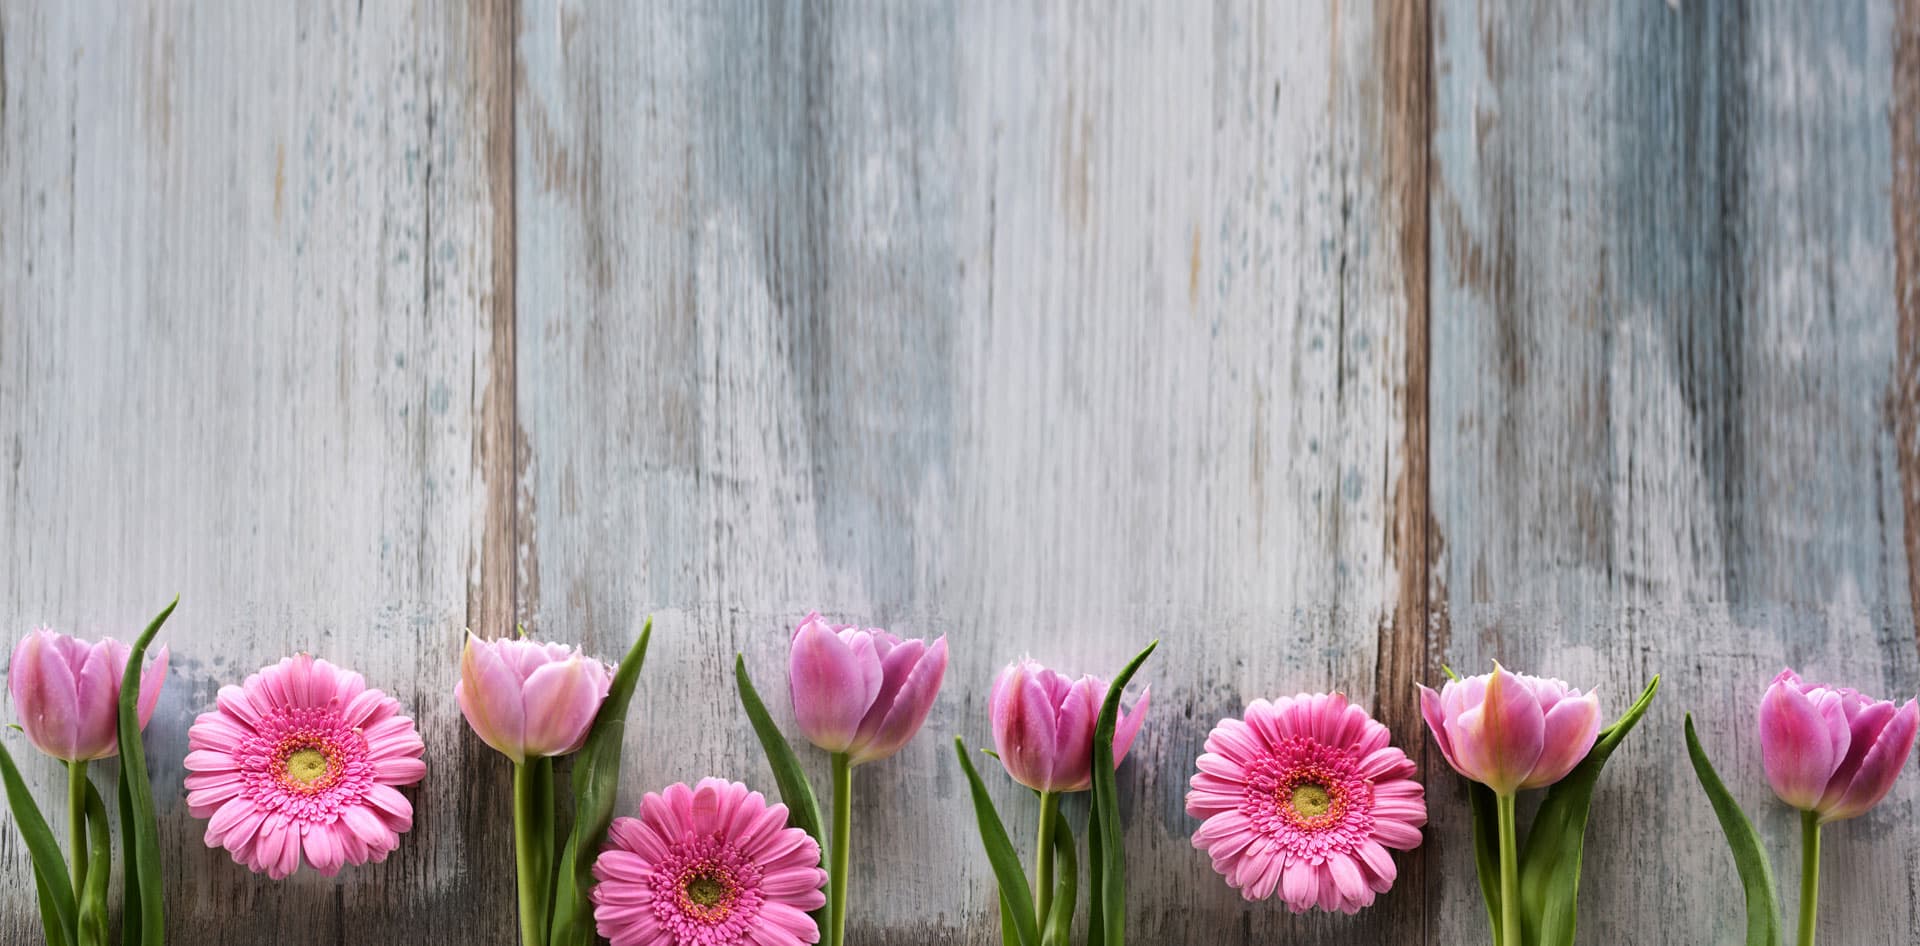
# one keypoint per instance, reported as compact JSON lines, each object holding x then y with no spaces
{"x":1311,"y":801}
{"x":706,"y":890}
{"x":306,"y":767}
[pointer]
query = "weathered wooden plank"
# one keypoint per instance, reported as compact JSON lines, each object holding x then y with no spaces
{"x":1663,"y":351}
{"x":1050,"y":330}
{"x":244,"y":282}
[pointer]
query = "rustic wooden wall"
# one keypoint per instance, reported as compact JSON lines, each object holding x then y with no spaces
{"x":1327,"y":342}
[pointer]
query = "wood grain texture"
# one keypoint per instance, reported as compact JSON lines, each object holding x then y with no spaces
{"x":244,"y":278}
{"x":1051,"y":331}
{"x":1324,"y":341}
{"x":1663,"y":345}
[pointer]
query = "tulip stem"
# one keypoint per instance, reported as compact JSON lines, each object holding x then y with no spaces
{"x":77,"y":822}
{"x":837,"y":878}
{"x":1509,"y":874}
{"x":533,"y":845}
{"x":1043,"y":857}
{"x":1809,"y":874}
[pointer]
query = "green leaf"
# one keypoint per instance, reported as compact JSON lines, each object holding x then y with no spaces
{"x":1486,"y":852}
{"x":1764,"y":927}
{"x":93,"y":897}
{"x":1096,"y":867}
{"x":130,"y":874}
{"x":143,"y":846}
{"x":1106,"y":800}
{"x":803,"y":810}
{"x":49,"y":869}
{"x":1009,"y":933}
{"x":1550,"y":862}
{"x":596,"y":783}
{"x":1066,"y":887}
{"x":1014,"y":897}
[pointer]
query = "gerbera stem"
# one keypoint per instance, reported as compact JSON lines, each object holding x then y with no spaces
{"x":838,"y":854}
{"x":1043,"y":857}
{"x":77,"y":822}
{"x":1509,"y":874}
{"x":533,"y":845}
{"x":1809,"y":875}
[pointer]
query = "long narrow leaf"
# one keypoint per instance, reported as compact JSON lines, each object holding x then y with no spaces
{"x":93,"y":897}
{"x":1550,"y":863}
{"x":1066,"y":888}
{"x":130,"y":874}
{"x":1006,"y":863}
{"x":49,"y":870}
{"x":143,"y":844}
{"x":1009,"y":934}
{"x":596,"y":783}
{"x":1486,"y":853}
{"x":803,"y":810}
{"x":1096,"y":868}
{"x":1764,"y":927}
{"x":49,"y":923}
{"x":1106,"y":798}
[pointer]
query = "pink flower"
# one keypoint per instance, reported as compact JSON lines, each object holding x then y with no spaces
{"x":1043,"y":726}
{"x":527,"y":699}
{"x":1830,"y":750}
{"x":1304,"y":797}
{"x":67,"y":692}
{"x":712,"y":865}
{"x":1510,"y":731}
{"x":862,"y":692}
{"x":303,"y":757}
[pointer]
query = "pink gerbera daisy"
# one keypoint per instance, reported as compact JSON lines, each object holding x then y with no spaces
{"x":303,"y":757}
{"x":712,"y":865}
{"x":1305,"y":796}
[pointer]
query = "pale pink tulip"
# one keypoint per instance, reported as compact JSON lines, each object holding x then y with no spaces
{"x":1828,"y":749}
{"x":1510,"y":731}
{"x":1043,"y":726}
{"x":529,"y":699}
{"x":862,"y":692}
{"x":67,"y":692}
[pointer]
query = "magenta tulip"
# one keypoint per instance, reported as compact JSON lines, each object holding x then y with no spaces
{"x":67,"y":692}
{"x":527,"y":699}
{"x":863,"y":693}
{"x":1828,"y":749}
{"x":1510,"y":731}
{"x":1043,"y":726}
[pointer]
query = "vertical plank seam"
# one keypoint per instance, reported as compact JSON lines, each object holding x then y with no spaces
{"x":1903,"y":120}
{"x":495,"y":604}
{"x":1409,"y":640}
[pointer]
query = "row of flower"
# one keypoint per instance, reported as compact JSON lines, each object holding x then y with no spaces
{"x":1302,"y":798}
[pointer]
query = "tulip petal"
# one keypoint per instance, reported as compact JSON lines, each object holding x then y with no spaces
{"x":1878,"y":769}
{"x":910,"y":707}
{"x":561,"y":700}
{"x":1498,"y":742}
{"x":1801,"y":743}
{"x":833,"y":683}
{"x":1571,"y":727}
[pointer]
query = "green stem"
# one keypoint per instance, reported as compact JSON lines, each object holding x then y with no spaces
{"x":77,"y":822}
{"x":1509,"y":874}
{"x":837,"y":878}
{"x":532,"y":850}
{"x":1809,"y":875}
{"x":1043,"y":857}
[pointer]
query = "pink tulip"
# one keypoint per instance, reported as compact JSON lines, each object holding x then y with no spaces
{"x":1043,"y":726}
{"x":528,"y":699}
{"x":67,"y":692}
{"x":1830,"y":750}
{"x":1510,"y":731}
{"x":862,"y":692}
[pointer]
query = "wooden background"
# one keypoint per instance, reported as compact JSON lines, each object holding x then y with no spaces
{"x":1326,"y":341}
